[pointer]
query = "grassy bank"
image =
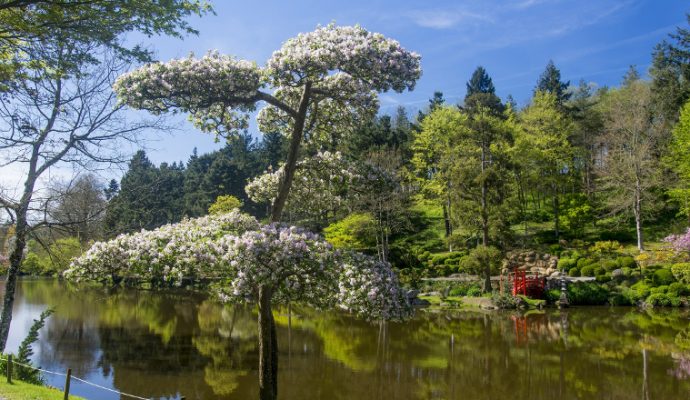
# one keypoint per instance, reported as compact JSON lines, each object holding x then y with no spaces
{"x":18,"y":390}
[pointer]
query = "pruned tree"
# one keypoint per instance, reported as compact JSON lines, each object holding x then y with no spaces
{"x":316,"y":86}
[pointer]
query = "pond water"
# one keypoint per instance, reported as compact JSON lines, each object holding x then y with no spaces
{"x":167,"y":345}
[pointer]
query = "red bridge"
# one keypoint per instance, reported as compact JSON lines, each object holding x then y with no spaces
{"x":530,"y":286}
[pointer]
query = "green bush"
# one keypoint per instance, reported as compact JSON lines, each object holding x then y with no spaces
{"x":458,"y":291}
{"x":609,"y":265}
{"x":663,"y":300}
{"x":605,"y":277}
{"x":474,"y":291}
{"x":552,"y":295}
{"x":587,"y":270}
{"x":663,"y":276}
{"x":565,"y":264}
{"x":583,"y":262}
{"x":659,"y":289}
{"x":681,"y":272}
{"x":598,"y":270}
{"x":626,"y":262}
{"x":639,"y":291}
{"x":678,"y":289}
{"x":587,"y":293}
{"x":622,"y":298}
{"x":504,"y":301}
{"x":574,"y":272}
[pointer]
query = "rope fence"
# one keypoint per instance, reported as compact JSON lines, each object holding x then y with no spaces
{"x":68,"y":377}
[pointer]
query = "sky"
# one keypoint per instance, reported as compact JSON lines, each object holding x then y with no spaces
{"x":594,"y":40}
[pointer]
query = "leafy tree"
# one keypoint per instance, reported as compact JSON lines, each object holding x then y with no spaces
{"x":550,"y":82}
{"x":324,"y":83}
{"x":634,"y":133}
{"x":476,"y":164}
{"x":355,"y":232}
{"x":224,"y":204}
{"x":98,"y":23}
{"x":679,"y":161}
{"x":543,"y":151}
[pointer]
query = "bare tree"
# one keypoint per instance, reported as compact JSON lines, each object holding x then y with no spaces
{"x":77,"y":207}
{"x":56,"y":117}
{"x":634,"y":130}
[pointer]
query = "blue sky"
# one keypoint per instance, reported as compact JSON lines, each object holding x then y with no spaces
{"x":594,"y":40}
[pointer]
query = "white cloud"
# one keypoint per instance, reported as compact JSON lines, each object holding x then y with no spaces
{"x":444,"y":19}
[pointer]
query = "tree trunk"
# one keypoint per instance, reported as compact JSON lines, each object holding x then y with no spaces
{"x":293,"y":153}
{"x":638,"y":215}
{"x":485,"y":221}
{"x":268,"y":351}
{"x":268,"y":340}
{"x":11,"y":282}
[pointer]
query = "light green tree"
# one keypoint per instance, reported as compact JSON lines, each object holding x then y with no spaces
{"x":543,"y":151}
{"x":680,"y":162}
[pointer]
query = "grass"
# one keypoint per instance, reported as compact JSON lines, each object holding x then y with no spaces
{"x":18,"y":390}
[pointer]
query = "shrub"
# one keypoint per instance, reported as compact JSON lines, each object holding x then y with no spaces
{"x":224,"y":204}
{"x":587,"y":293}
{"x":574,"y":272}
{"x":606,"y":247}
{"x":609,"y":265}
{"x":504,"y":301}
{"x":474,"y":291}
{"x":677,"y":289}
{"x":356,"y":231}
{"x":583,"y":262}
{"x":626,"y":262}
{"x":663,"y":300}
{"x":552,"y":295}
{"x":622,"y":298}
{"x":587,"y":270}
{"x":605,"y":277}
{"x":663,"y":276}
{"x":458,"y":291}
{"x":640,"y":291}
{"x":598,"y":270}
{"x":681,"y":272}
{"x":565,"y":264}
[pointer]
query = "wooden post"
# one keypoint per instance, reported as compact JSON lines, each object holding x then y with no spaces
{"x":68,"y":378}
{"x":9,"y":368}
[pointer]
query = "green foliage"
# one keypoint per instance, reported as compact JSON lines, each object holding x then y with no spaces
{"x":574,"y":272}
{"x":606,"y":247}
{"x":474,"y":291}
{"x":356,"y":231}
{"x":224,"y":204}
{"x":577,"y":213}
{"x":626,"y":262}
{"x":586,"y":293}
{"x":681,"y":271}
{"x":663,"y":276}
{"x":505,"y":301}
{"x":587,"y":270}
{"x":565,"y":264}
{"x":609,"y":265}
{"x":25,"y":352}
{"x":54,"y":260}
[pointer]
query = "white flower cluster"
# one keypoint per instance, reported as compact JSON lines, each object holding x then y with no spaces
{"x":217,"y":90}
{"x":296,"y":264}
{"x":323,"y":183}
{"x":369,"y":57}
{"x":345,"y":66}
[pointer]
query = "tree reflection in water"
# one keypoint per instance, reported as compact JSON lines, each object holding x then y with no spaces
{"x":164,"y":345}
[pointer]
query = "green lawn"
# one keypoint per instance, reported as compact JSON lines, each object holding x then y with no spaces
{"x":23,"y":391}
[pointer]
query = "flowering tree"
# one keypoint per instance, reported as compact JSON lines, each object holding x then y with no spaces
{"x":288,"y":263}
{"x":316,"y":84}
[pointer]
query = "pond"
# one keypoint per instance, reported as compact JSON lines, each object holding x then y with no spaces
{"x":173,"y":344}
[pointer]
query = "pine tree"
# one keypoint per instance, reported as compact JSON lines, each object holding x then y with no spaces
{"x":550,"y":82}
{"x":481,"y":93}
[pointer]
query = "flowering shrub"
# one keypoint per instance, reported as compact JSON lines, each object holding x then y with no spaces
{"x":679,"y":243}
{"x":296,"y":264}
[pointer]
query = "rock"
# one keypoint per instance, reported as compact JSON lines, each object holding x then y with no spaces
{"x":444,"y":304}
{"x":419,"y":302}
{"x":555,"y":274}
{"x":617,"y":273}
{"x":412,"y":294}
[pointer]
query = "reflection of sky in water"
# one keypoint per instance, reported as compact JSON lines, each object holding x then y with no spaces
{"x":162,"y":345}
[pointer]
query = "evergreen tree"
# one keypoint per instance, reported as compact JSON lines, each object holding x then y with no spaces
{"x":550,"y":82}
{"x":670,"y":73}
{"x":481,"y":93}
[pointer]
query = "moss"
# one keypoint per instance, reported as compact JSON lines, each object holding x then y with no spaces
{"x":663,"y":276}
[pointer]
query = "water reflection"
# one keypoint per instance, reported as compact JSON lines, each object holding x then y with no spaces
{"x":172,"y":344}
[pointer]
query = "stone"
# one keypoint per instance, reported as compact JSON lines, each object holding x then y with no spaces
{"x":617,"y":273}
